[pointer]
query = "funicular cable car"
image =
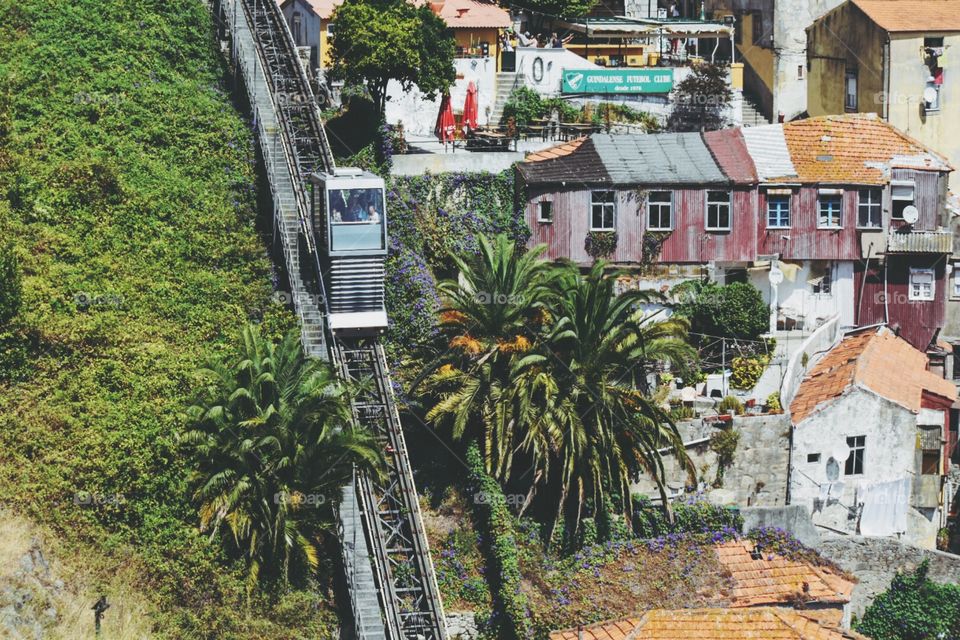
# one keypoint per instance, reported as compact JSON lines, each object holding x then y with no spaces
{"x":348,"y":213}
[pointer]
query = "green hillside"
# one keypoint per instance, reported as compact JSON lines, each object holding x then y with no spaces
{"x":126,"y":187}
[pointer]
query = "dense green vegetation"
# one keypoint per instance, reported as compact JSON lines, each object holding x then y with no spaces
{"x":914,"y":608}
{"x":545,"y":370}
{"x":274,"y":444}
{"x":127,"y":190}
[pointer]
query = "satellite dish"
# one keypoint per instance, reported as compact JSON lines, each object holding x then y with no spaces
{"x":840,"y":452}
{"x":911,"y":214}
{"x":833,"y":470}
{"x":775,"y":276}
{"x":929,"y":95}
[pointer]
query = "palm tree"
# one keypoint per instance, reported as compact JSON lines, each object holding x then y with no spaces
{"x":584,"y":391}
{"x":273,"y":445}
{"x":492,"y":316}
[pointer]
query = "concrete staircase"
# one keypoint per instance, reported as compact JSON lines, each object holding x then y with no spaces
{"x":506,"y":82}
{"x":363,"y":587}
{"x":752,"y":116}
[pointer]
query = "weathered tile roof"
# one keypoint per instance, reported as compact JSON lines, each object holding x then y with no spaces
{"x":876,"y":360}
{"x":773,"y":579}
{"x":457,"y":14}
{"x":853,"y":149}
{"x":913,"y":15}
{"x":768,"y":148}
{"x":664,"y":158}
{"x":759,"y":623}
{"x":730,"y":152}
{"x":557,"y":151}
{"x":577,"y":163}
{"x":322,"y":8}
{"x":471,"y":14}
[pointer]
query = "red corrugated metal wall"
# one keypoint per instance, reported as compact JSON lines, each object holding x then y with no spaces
{"x":691,"y":242}
{"x":918,"y":320}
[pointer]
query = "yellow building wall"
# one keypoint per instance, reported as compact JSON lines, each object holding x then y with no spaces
{"x":324,"y":45}
{"x":759,"y":58}
{"x":829,"y":57}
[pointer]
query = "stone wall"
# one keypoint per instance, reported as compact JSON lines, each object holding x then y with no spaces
{"x":875,"y":561}
{"x":758,"y":475}
{"x":793,"y":518}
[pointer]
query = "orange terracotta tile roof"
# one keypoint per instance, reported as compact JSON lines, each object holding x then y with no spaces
{"x":322,"y":8}
{"x":876,"y":360}
{"x":472,"y":14}
{"x":556,"y":151}
{"x":913,"y":15}
{"x":854,"y":149}
{"x":759,"y":623}
{"x":773,"y":579}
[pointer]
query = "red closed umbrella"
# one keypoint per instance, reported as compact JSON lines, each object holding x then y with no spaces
{"x":446,"y":125}
{"x":470,"y":107}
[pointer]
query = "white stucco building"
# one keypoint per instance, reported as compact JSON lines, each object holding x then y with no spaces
{"x":869,"y":438}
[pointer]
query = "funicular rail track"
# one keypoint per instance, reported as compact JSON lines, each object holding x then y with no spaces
{"x":389,"y":572}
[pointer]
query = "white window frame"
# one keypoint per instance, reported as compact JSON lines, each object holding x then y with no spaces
{"x":660,"y":204}
{"x":330,"y":29}
{"x":848,"y":105}
{"x":612,"y":206}
{"x":779,"y":196}
{"x":852,"y":458}
{"x":542,"y":219}
{"x":729,"y":206}
{"x":824,"y":288}
{"x":832,"y":194}
{"x":955,"y":291}
{"x":874,"y":192}
{"x":297,"y":28}
{"x":919,"y":295}
{"x":894,"y":198}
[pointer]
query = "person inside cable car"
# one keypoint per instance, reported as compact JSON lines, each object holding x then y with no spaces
{"x":373,"y":216}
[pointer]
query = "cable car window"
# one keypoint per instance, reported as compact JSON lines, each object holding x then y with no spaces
{"x":356,"y":219}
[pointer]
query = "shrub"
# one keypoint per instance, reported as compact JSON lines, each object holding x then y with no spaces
{"x":914,"y":608}
{"x":497,"y":528}
{"x":735,"y":310}
{"x":731,"y":405}
{"x":724,"y":443}
{"x":773,"y":402}
{"x":693,"y":516}
{"x":746,"y":372}
{"x":523,"y":105}
{"x":11,"y":284}
{"x":600,"y":244}
{"x":412,"y":299}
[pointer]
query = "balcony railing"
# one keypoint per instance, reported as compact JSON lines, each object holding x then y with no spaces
{"x":939,"y":241}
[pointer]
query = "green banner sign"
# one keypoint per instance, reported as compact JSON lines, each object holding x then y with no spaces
{"x":652,"y":80}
